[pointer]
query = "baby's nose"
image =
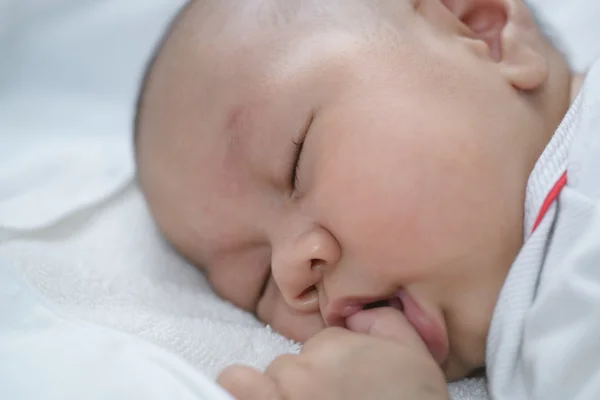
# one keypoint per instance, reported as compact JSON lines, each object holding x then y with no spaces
{"x":299,"y":264}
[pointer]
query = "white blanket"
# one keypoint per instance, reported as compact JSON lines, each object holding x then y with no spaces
{"x":45,"y":354}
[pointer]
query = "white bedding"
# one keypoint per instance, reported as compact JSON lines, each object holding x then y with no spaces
{"x":47,"y":356}
{"x":71,"y":223}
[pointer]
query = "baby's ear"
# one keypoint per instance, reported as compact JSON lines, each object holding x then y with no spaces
{"x":510,"y":35}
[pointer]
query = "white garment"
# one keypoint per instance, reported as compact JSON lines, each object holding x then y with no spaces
{"x":544,"y":341}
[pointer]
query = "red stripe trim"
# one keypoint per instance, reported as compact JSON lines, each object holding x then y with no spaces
{"x":551,"y":198}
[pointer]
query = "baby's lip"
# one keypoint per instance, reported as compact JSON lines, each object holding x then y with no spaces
{"x":344,"y":308}
{"x":431,"y":332}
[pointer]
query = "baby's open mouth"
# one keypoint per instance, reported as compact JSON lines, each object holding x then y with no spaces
{"x":393,"y":302}
{"x":407,"y":319}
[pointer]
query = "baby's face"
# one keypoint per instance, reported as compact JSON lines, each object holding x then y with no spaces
{"x":309,"y":180}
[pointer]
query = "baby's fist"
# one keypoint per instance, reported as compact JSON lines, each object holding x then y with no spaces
{"x":339,"y":364}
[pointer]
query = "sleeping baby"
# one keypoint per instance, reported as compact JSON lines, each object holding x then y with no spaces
{"x":409,"y":187}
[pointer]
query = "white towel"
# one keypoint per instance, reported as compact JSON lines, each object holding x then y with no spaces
{"x":109,"y":266}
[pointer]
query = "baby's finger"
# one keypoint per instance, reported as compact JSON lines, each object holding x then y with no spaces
{"x":295,"y":378}
{"x":386,"y":323}
{"x":326,"y":338}
{"x":245,"y":383}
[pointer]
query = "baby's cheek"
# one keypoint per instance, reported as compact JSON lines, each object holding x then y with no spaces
{"x":375,"y":221}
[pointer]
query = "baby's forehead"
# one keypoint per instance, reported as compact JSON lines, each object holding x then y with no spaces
{"x":229,"y":34}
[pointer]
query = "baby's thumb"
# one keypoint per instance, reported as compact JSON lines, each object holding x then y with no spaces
{"x":386,"y":323}
{"x":245,"y":383}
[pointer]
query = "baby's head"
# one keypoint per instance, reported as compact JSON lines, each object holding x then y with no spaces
{"x":316,"y":156}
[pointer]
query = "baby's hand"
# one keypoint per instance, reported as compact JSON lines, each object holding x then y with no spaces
{"x":339,"y":364}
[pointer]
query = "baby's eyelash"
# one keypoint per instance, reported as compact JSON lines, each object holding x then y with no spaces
{"x":299,"y":144}
{"x":294,"y":176}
